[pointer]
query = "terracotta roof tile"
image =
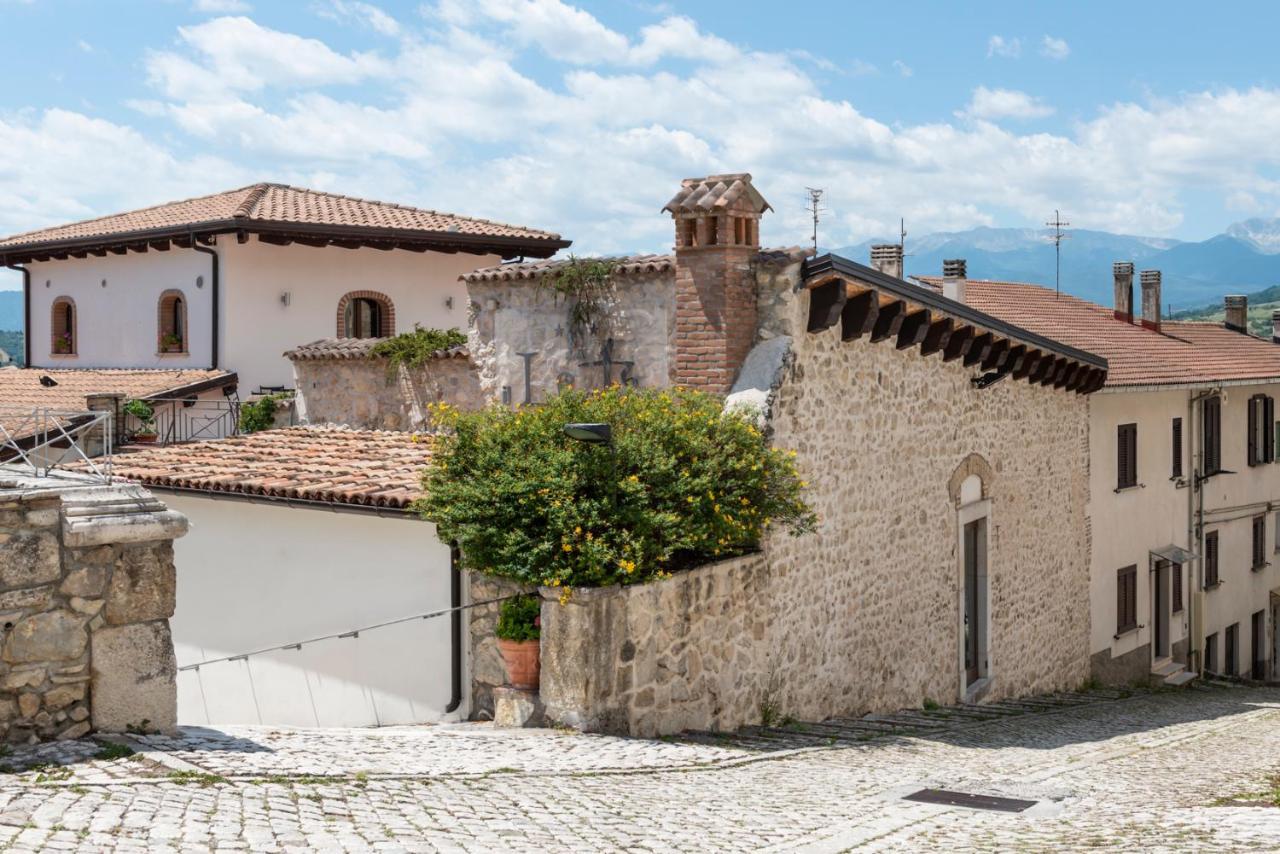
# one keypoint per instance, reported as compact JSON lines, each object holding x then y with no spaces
{"x":356,"y":348}
{"x":22,"y":391}
{"x":277,"y":203}
{"x":333,"y":465}
{"x":1179,"y":353}
{"x":626,"y":265}
{"x":700,"y":195}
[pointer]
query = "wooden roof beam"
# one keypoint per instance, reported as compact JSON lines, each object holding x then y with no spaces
{"x":914,"y":328}
{"x":937,"y":336}
{"x":159,"y":245}
{"x":889,"y":321}
{"x":1069,"y":375}
{"x":275,"y":239}
{"x":979,"y":349}
{"x":825,"y":304}
{"x":858,"y":316}
{"x":1030,"y":361}
{"x":958,"y":344}
{"x":997,"y":355}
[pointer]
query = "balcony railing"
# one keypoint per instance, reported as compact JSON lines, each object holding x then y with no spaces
{"x":54,"y":443}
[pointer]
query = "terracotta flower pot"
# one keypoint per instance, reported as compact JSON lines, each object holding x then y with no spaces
{"x":145,"y":438}
{"x":524,"y":661}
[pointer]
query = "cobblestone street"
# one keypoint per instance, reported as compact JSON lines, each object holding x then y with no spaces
{"x":1141,"y":773}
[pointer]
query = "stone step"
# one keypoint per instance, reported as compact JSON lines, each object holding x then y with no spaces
{"x":1180,"y":678}
{"x":1165,"y":667}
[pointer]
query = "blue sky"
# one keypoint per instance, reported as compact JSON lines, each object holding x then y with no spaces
{"x":1136,"y":117}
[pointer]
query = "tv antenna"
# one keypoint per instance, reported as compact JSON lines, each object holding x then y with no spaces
{"x":815,"y":208}
{"x":1057,"y":237}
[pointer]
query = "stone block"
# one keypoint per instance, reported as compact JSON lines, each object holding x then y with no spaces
{"x":28,"y":704}
{"x":88,"y":581}
{"x":62,"y":696}
{"x":30,"y":559}
{"x":134,"y":678}
{"x":142,"y":585}
{"x":28,"y":599}
{"x":516,"y":709}
{"x":50,"y":636}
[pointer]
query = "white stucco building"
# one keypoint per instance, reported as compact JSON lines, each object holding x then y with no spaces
{"x":1184,"y":487}
{"x":235,"y":279}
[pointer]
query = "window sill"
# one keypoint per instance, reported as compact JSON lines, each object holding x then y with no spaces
{"x":1259,"y":567}
{"x":63,"y":355}
{"x":1127,"y":631}
{"x":1214,"y":586}
{"x":1129,"y":488}
{"x":163,"y":353}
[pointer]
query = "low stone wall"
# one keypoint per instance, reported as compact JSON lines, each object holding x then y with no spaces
{"x":363,"y":394}
{"x":688,"y":652}
{"x":487,"y":670}
{"x":86,"y":591}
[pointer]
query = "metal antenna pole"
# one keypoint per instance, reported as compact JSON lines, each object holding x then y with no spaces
{"x":1057,"y":237}
{"x":815,"y":208}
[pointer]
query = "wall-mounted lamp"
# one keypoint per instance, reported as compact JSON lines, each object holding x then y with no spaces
{"x":591,"y":434}
{"x":199,"y":281}
{"x":104,"y":283}
{"x":285,"y":298}
{"x":448,"y":303}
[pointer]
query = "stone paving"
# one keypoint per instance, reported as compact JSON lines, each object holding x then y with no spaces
{"x":1141,"y":773}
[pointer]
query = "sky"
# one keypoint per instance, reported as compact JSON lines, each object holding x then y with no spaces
{"x":1145,"y":118}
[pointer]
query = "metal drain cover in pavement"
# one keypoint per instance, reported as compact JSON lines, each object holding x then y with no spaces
{"x":973,"y":802}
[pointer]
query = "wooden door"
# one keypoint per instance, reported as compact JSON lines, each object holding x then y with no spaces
{"x":973,"y":641}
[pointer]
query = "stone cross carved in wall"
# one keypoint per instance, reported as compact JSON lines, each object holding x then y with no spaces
{"x":606,"y":363}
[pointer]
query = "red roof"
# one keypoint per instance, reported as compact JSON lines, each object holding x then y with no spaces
{"x":1180,"y":353}
{"x":281,"y":206}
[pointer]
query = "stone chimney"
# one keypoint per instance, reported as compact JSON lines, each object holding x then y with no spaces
{"x":1237,"y":312}
{"x":954,"y":276}
{"x":887,"y":258}
{"x":1275,"y":327}
{"x":1151,"y":299}
{"x":717,"y":222}
{"x":1123,"y":271}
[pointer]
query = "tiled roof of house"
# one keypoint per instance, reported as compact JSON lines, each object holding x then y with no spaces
{"x":356,"y":348}
{"x":625,"y":265}
{"x":281,"y":206}
{"x":701,"y":195}
{"x":331,"y":465}
{"x":22,"y":391}
{"x":1180,"y":353}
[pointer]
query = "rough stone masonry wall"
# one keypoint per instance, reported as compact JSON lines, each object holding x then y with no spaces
{"x":863,"y":615}
{"x":86,"y":590}
{"x":363,"y":394}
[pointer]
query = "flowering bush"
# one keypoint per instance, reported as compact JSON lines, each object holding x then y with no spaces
{"x":520,"y":619}
{"x":681,"y":483}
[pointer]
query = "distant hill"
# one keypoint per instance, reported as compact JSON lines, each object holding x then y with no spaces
{"x":1244,"y":258}
{"x":11,"y":310}
{"x":1261,"y":304}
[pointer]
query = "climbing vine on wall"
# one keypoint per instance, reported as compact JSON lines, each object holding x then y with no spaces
{"x":586,"y":284}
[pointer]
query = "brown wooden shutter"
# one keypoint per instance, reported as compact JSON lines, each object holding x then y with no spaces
{"x":1126,"y":456}
{"x":1211,"y":559}
{"x":1210,"y":436}
{"x":1268,"y":429}
{"x":1259,"y":541}
{"x":1177,"y":448}
{"x":1175,"y":575}
{"x":1253,"y":431}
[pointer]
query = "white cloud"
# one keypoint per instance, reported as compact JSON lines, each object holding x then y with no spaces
{"x":221,"y":7}
{"x":902,"y":68}
{"x":84,"y":46}
{"x":1005,"y":103}
{"x":1054,"y":48}
{"x":862,"y":68}
{"x":1007,"y":48}
{"x":365,"y":13}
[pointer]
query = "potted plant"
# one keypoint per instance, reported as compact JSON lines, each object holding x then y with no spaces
{"x":171,"y":343}
{"x":146,"y":417}
{"x":62,"y":344}
{"x":519,"y":639}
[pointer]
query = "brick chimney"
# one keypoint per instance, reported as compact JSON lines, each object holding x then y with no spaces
{"x":1123,"y":271}
{"x":954,"y":276}
{"x":717,"y":222}
{"x":1237,"y":312}
{"x":1275,"y":327}
{"x":1151,"y":299}
{"x":887,"y":258}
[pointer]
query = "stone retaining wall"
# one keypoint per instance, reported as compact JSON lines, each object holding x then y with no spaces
{"x":487,"y":670}
{"x":86,"y":591}
{"x":363,"y":394}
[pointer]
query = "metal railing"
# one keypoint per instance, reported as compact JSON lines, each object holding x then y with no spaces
{"x":187,"y":419}
{"x":49,"y":442}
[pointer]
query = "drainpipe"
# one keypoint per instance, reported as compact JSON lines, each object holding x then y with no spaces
{"x":455,"y":628}
{"x":213,"y":285}
{"x":26,"y":312}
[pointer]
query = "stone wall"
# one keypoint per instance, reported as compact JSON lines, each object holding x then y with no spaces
{"x":363,"y":394}
{"x":514,"y":317}
{"x":487,"y":670}
{"x":864,"y":615}
{"x":86,"y":591}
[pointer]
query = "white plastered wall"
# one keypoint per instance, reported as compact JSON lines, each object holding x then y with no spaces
{"x":253,"y":575}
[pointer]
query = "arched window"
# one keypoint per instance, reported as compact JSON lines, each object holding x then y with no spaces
{"x":63,"y":319}
{"x":366,"y":314}
{"x":171,"y":322}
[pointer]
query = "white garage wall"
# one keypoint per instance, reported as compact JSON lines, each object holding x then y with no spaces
{"x":252,"y":575}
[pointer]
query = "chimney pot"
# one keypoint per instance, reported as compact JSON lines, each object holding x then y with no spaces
{"x":1123,"y":271}
{"x":887,"y":258}
{"x":1236,"y":311}
{"x":1151,"y":299}
{"x":954,"y":276}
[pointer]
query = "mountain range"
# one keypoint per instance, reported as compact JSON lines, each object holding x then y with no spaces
{"x":1244,"y":258}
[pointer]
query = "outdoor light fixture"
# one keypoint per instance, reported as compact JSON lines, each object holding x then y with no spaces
{"x":592,"y":434}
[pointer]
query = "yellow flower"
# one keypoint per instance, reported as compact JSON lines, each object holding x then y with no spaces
{"x":567,"y":547}
{"x":634,"y":478}
{"x":689,"y":499}
{"x":578,"y":530}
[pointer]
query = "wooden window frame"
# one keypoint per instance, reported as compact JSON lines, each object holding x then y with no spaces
{"x":1126,"y":599}
{"x":68,"y":323}
{"x":168,"y":323}
{"x":1211,"y":579}
{"x":1175,"y":588}
{"x":1126,"y":456}
{"x":1261,"y":447}
{"x":387,"y":322}
{"x":1175,"y":471}
{"x":1259,"y":543}
{"x":1211,"y":435}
